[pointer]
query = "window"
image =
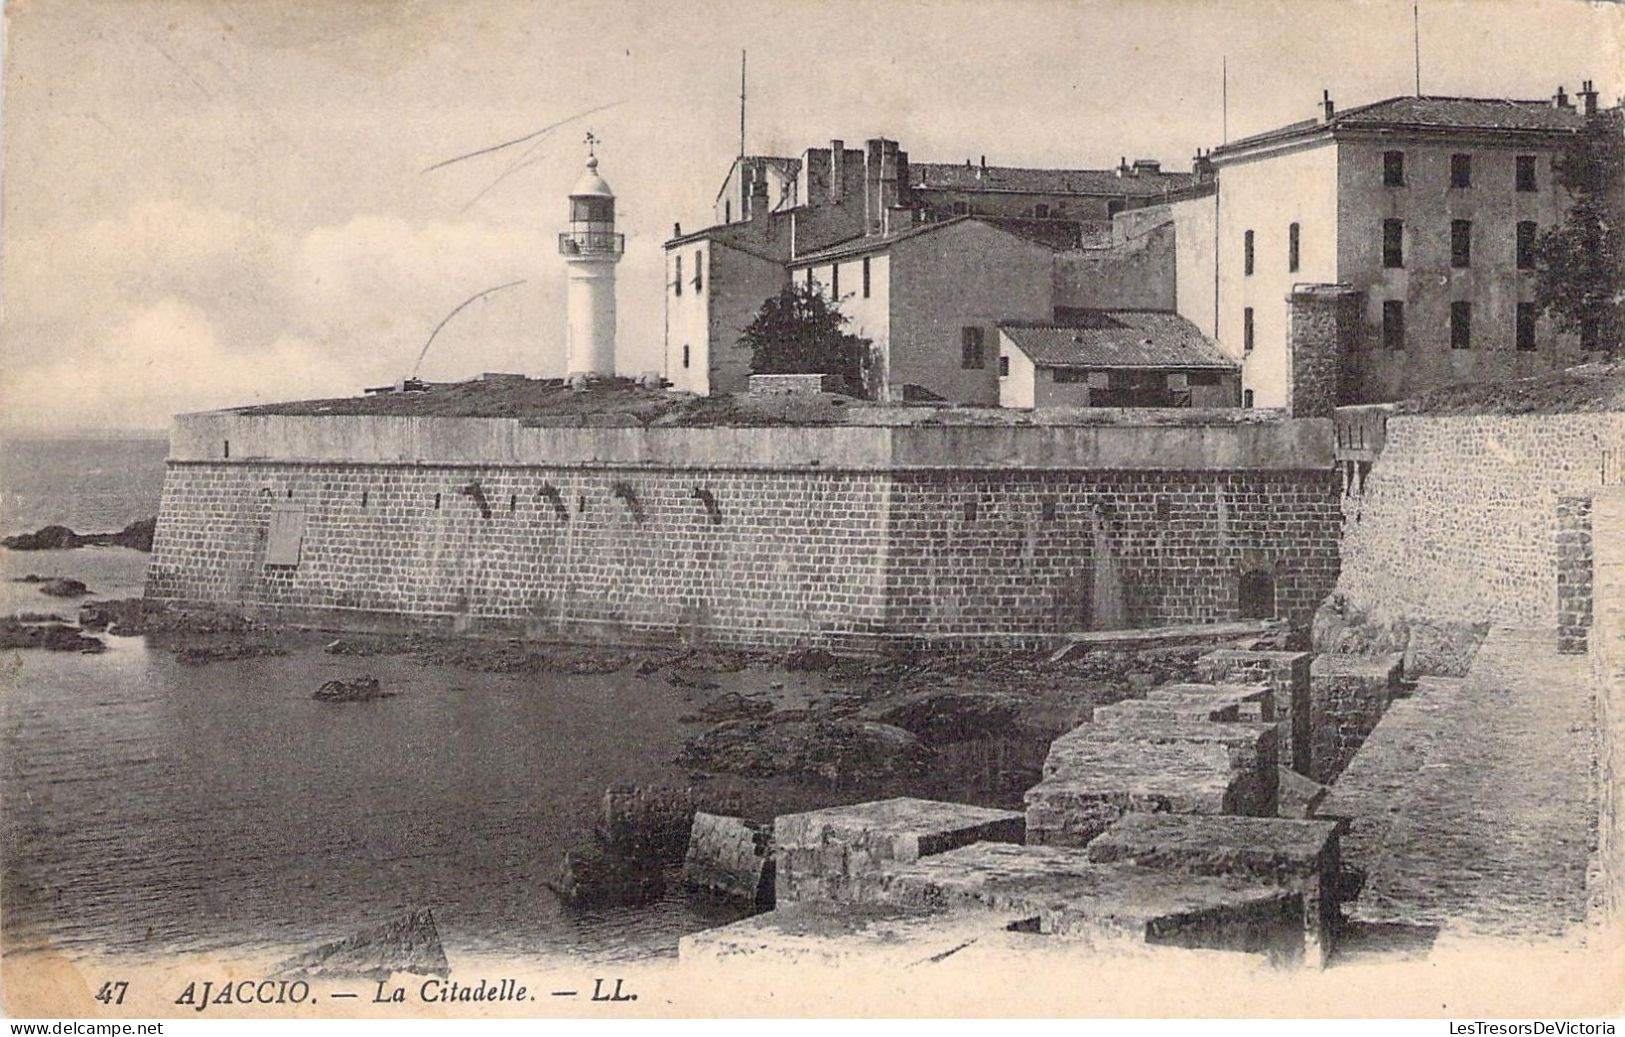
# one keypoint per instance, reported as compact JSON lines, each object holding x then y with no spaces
{"x":1461,"y":243}
{"x":685,"y":357}
{"x":1004,"y":365}
{"x":1247,"y":253}
{"x":1069,"y":375}
{"x":809,"y":279}
{"x":866,"y":277}
{"x":1247,"y":330}
{"x":1041,"y":212}
{"x":1526,"y":172}
{"x":1393,"y":169}
{"x":1393,"y":324}
{"x":1526,"y":326}
{"x":1393,"y":243}
{"x":699,"y":270}
{"x":1461,"y":170}
{"x":1247,"y":398}
{"x":835,"y":281}
{"x":1292,"y":250}
{"x":727,"y":211}
{"x":1526,"y":244}
{"x":677,"y":281}
{"x":1461,"y":325}
{"x":970,"y":348}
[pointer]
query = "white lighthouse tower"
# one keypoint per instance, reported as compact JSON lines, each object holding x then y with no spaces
{"x":591,"y":248}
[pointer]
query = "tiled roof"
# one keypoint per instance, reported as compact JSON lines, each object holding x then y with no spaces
{"x":951,"y":177}
{"x":1024,"y":229}
{"x":1444,"y":113}
{"x":1119,"y":338}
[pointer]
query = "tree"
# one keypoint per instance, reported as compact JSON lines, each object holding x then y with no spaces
{"x":1578,"y":279}
{"x":799,"y":332}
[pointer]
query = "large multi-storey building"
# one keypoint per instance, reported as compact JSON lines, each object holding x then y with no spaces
{"x":950,"y":250}
{"x":1427,"y":208}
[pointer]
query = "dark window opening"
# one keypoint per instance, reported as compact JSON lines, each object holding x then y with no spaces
{"x":437,"y":502}
{"x":1292,"y":248}
{"x":677,"y":279}
{"x":1247,"y":398}
{"x":1527,"y":233}
{"x":728,"y":210}
{"x":1393,"y":324}
{"x":1461,"y":170}
{"x":290,"y":493}
{"x":1526,"y":326}
{"x":1205,"y":378}
{"x":1041,"y":212}
{"x":1526,"y":172}
{"x":581,"y":503}
{"x":1461,"y":325}
{"x":1461,"y":243}
{"x":1004,"y":365}
{"x":866,"y":277}
{"x":363,"y":498}
{"x":1393,"y":243}
{"x":1247,"y":330}
{"x":592,"y":210}
{"x":699,"y":270}
{"x":809,"y":278}
{"x":970,"y":348}
{"x":1393,"y":169}
{"x":1256,"y":596}
{"x":1247,"y":253}
{"x":685,"y":356}
{"x":226,"y":449}
{"x":835,"y":281}
{"x":513,"y":502}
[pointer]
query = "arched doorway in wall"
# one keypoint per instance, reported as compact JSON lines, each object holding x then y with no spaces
{"x":1255,"y":597}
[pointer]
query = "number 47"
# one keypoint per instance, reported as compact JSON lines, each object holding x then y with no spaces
{"x":113,"y":993}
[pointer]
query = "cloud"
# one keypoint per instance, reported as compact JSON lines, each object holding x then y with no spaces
{"x":163,"y":359}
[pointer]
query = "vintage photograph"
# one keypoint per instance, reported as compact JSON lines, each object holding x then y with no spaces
{"x":549,"y":508}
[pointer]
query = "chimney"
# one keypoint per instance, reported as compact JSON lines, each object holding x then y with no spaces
{"x":1147,"y":165}
{"x":1327,"y":109}
{"x":1561,"y":99}
{"x":1588,"y":98}
{"x":837,"y":166}
{"x":1122,"y":165}
{"x":1202,"y":166}
{"x":677,"y":230}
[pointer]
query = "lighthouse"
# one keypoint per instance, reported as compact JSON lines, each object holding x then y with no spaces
{"x":591,"y":248}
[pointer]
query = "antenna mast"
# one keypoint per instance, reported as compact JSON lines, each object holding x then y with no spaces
{"x":1416,"y":41}
{"x":1224,"y":99}
{"x":741,"y":104}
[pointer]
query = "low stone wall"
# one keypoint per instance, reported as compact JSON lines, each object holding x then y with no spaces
{"x":1348,"y":694}
{"x":1607,"y":645}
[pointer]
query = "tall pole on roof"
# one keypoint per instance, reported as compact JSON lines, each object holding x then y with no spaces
{"x":741,"y":104}
{"x":1224,"y":99}
{"x":1416,"y":41}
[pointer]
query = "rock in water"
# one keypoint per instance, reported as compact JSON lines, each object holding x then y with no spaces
{"x":410,"y":944}
{"x":64,"y":587}
{"x":50,"y":538}
{"x":597,"y":877}
{"x":137,"y":535}
{"x":362,"y":689}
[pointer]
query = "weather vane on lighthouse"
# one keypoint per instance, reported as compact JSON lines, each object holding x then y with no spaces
{"x":591,"y":248}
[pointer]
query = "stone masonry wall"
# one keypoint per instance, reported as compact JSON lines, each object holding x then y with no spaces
{"x":1607,"y":880}
{"x":746,"y":556}
{"x":1458,"y":518}
{"x":1573,"y":573}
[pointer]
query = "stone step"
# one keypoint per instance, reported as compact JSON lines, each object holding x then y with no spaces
{"x":1072,"y":896}
{"x":1249,"y":744}
{"x":1109,"y":778}
{"x":824,"y":934}
{"x":1145,"y":709}
{"x":838,"y":853}
{"x":1287,"y":674}
{"x":1299,"y":855}
{"x":1253,"y":700}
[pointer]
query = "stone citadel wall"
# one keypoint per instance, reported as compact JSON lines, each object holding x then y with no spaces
{"x":848,"y":536}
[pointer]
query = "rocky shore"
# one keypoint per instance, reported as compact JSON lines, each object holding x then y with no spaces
{"x":137,"y":536}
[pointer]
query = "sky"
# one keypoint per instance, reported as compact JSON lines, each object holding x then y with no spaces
{"x":208,"y":204}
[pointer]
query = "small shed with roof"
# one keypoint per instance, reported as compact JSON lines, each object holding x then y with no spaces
{"x":1114,"y":358}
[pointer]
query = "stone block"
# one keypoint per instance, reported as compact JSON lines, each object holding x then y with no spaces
{"x":1139,"y":710}
{"x":731,"y":857}
{"x":1071,"y":896}
{"x":1348,"y":694}
{"x":824,"y":934}
{"x":1253,"y":700}
{"x":1251,"y":749}
{"x":1103,"y":779}
{"x":1287,"y":674}
{"x":1299,"y":855}
{"x":838,"y":854}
